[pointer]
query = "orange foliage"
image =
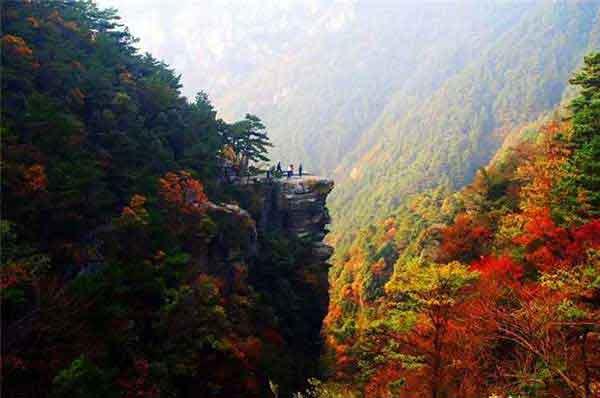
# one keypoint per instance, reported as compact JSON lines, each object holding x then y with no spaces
{"x":54,"y":16}
{"x":135,"y":212}
{"x":126,"y":77}
{"x":16,"y":46}
{"x":71,"y":25}
{"x":181,"y":191}
{"x":379,"y":267}
{"x":334,"y":313}
{"x":77,"y":96}
{"x":35,"y":178}
{"x":543,"y":167}
{"x":215,"y":284}
{"x":33,"y":22}
{"x":77,"y":65}
{"x":378,"y":385}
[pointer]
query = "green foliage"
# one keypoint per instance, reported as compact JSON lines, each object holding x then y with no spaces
{"x":113,"y":256}
{"x":83,"y":379}
{"x":248,"y":139}
{"x":420,"y":286}
{"x":320,"y":389}
{"x":581,"y":186}
{"x":441,"y":132}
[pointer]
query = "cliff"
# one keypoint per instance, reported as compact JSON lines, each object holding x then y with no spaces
{"x":297,"y":207}
{"x":285,"y":265}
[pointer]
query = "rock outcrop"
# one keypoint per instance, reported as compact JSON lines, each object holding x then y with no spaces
{"x":291,"y":269}
{"x":297,"y":207}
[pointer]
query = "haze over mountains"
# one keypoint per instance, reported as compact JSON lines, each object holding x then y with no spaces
{"x":145,"y":253}
{"x":388,"y":97}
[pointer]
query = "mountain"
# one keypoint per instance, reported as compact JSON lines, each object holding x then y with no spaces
{"x":217,"y":44}
{"x":319,"y":98}
{"x":135,"y":259}
{"x":402,"y":97}
{"x":491,"y":290}
{"x":145,"y":254}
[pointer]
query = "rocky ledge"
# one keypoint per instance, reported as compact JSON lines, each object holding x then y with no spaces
{"x":294,"y":206}
{"x":302,"y":204}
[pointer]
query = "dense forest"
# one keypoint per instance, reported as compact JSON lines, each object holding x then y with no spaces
{"x":145,"y":254}
{"x":129,"y":267}
{"x":490,"y":291}
{"x":396,"y":98}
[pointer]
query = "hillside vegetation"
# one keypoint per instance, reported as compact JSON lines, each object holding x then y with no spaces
{"x":394,"y":99}
{"x":489,"y":291}
{"x":446,"y":138}
{"x":123,"y":274}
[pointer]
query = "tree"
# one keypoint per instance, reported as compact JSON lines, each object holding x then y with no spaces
{"x":582,"y":183}
{"x":249,"y":141}
{"x":418,"y":344}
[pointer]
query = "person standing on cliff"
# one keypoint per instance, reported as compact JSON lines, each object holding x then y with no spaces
{"x":300,"y":170}
{"x":279,"y":167}
{"x":290,"y":171}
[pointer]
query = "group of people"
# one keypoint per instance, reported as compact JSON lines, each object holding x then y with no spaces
{"x":279,"y":170}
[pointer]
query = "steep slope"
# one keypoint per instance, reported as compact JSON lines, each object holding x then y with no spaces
{"x":446,"y":138}
{"x":133,"y":263}
{"x":488,"y":291}
{"x":397,"y":98}
{"x":319,"y":98}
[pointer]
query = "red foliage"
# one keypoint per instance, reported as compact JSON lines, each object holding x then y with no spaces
{"x":247,"y":351}
{"x":502,"y":267}
{"x":273,"y":336}
{"x":13,"y":276}
{"x":34,"y":179}
{"x":549,"y":246}
{"x":10,"y":363}
{"x":252,"y":348}
{"x":463,"y":240}
{"x":588,"y":234}
{"x":251,"y":384}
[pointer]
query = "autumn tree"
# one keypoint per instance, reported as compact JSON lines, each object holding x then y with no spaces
{"x":418,"y":341}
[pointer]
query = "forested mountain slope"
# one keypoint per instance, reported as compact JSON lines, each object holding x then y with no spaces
{"x":447,"y":137}
{"x":489,"y":291}
{"x":135,"y":261}
{"x":323,"y":95}
{"x":401,"y":97}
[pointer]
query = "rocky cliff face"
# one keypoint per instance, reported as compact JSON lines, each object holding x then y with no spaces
{"x":287,"y":265}
{"x":297,"y":207}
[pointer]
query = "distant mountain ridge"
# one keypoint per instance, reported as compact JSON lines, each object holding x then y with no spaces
{"x":405,"y":97}
{"x":458,"y":129}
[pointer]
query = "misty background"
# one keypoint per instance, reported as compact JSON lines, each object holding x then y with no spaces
{"x":388,"y":97}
